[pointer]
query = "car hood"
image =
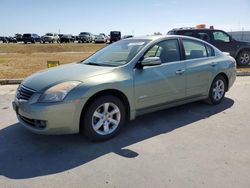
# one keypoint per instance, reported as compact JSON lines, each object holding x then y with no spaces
{"x":70,"y":72}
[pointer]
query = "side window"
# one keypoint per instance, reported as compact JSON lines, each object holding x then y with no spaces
{"x":193,"y":49}
{"x":210,"y":51}
{"x":153,"y":52}
{"x":221,"y":36}
{"x":167,"y":51}
{"x":203,"y":36}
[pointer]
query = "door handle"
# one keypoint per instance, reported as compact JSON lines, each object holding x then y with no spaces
{"x":179,"y":72}
{"x":213,"y":64}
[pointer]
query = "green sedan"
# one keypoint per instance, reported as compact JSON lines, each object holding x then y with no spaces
{"x":126,"y":79}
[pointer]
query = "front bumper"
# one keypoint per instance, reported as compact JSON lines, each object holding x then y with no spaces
{"x":59,"y":118}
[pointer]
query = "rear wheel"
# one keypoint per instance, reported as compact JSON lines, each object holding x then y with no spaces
{"x":243,"y":58}
{"x":104,"y":118}
{"x":217,"y":90}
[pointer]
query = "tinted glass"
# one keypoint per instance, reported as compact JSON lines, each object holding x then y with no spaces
{"x":194,"y":50}
{"x":186,"y":33}
{"x":84,"y":33}
{"x":167,"y":51}
{"x":221,"y":36}
{"x":203,"y":36}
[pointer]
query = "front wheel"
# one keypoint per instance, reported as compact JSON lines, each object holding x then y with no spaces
{"x":217,"y":90}
{"x":103,"y":118}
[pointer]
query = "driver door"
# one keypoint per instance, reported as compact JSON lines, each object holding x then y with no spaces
{"x":164,"y":83}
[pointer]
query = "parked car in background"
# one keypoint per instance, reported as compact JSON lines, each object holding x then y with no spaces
{"x":100,"y":39}
{"x":31,"y":38}
{"x":18,"y":37}
{"x":67,"y":39}
{"x":12,"y":40}
{"x":126,"y":79}
{"x":50,"y":38}
{"x":115,"y":36}
{"x":86,"y":37}
{"x":4,"y":39}
{"x":220,"y":39}
{"x":103,"y":34}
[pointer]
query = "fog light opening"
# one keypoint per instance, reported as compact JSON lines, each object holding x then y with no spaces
{"x":40,"y":124}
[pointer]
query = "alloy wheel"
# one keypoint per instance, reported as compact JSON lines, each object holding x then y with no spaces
{"x":106,"y":118}
{"x":218,"y":90}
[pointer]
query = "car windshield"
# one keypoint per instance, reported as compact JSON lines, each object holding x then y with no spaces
{"x":117,"y":54}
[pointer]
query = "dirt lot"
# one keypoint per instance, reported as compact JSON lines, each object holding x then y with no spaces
{"x":20,"y":60}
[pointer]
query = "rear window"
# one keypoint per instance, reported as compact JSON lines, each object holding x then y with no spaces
{"x":186,"y":33}
{"x":171,"y":33}
{"x":84,"y":33}
{"x":194,"y":50}
{"x":203,"y":36}
{"x":115,"y":32}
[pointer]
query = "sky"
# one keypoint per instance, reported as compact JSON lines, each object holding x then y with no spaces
{"x":136,"y":17}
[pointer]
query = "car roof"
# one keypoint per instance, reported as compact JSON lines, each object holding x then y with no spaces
{"x":158,"y":37}
{"x":194,"y":29}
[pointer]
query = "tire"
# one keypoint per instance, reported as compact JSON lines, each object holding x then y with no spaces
{"x":102,"y":107}
{"x":217,"y":90}
{"x":243,"y":59}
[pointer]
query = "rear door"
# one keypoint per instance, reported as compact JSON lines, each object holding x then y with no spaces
{"x":156,"y":85}
{"x":200,"y":64}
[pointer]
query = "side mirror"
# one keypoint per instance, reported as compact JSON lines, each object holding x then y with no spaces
{"x":151,"y":61}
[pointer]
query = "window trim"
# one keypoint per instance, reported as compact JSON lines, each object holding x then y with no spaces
{"x":213,"y":53}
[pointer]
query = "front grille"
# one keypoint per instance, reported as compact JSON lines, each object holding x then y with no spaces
{"x":24,"y":93}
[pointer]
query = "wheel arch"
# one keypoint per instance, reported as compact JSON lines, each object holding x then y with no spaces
{"x":112,"y":92}
{"x":241,"y":50}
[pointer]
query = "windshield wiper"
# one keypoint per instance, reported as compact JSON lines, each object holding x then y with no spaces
{"x":99,"y":64}
{"x":93,"y":63}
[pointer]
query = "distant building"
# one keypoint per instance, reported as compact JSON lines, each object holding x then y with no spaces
{"x":240,"y":35}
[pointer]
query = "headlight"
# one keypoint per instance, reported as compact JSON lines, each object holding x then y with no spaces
{"x":58,"y":92}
